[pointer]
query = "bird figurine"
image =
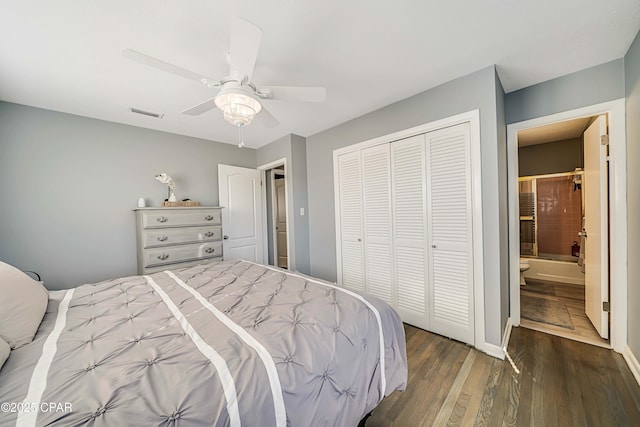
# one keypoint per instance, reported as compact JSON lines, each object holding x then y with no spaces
{"x":171,"y":186}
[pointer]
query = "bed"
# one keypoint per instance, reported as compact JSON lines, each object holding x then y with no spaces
{"x":229,"y":343}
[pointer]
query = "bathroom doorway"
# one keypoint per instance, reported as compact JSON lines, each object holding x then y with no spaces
{"x":563,"y":227}
{"x":277,"y":213}
{"x":617,"y":225}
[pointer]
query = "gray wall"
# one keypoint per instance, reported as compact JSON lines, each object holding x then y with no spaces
{"x":293,"y":148}
{"x":300,"y":201}
{"x":475,"y":91}
{"x":551,"y":157}
{"x":594,"y":85}
{"x":632,"y":82}
{"x":70,"y":184}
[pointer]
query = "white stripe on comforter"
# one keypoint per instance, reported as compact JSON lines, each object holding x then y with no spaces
{"x":38,"y":382}
{"x":267,"y":360}
{"x":225,"y":375}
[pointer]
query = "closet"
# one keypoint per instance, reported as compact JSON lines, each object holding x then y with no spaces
{"x":404,"y":227}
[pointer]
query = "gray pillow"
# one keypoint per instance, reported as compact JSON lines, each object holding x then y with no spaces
{"x":23,"y":302}
{"x":4,"y":352}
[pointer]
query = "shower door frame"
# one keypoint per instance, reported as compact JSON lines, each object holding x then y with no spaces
{"x":615,"y":110}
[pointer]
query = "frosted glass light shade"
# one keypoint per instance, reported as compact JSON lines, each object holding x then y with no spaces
{"x":239,"y":109}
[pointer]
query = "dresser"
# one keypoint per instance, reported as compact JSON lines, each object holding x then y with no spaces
{"x":169,"y":238}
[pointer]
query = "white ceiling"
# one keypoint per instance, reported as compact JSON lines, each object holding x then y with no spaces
{"x":64,"y":55}
{"x":554,"y":132}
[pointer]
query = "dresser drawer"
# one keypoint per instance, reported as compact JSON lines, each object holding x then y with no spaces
{"x":173,"y":254}
{"x":180,"y":218}
{"x":172,"y":236}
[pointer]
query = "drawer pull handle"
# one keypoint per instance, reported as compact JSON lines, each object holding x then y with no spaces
{"x":208,"y":217}
{"x":162,"y":257}
{"x":210,"y":250}
{"x":162,"y":219}
{"x":208,"y":234}
{"x":162,"y":238}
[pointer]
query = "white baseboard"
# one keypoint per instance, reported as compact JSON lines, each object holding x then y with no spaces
{"x":631,"y":360}
{"x":493,"y":350}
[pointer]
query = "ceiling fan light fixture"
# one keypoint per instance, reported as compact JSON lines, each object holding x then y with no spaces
{"x":239,"y":108}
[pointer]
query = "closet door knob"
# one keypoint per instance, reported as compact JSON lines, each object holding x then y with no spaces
{"x":225,"y":237}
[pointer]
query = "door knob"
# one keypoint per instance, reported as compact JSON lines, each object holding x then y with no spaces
{"x":582,"y":234}
{"x":225,"y":237}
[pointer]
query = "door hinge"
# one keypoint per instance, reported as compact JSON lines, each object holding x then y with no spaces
{"x":605,"y":306}
{"x":604,"y":139}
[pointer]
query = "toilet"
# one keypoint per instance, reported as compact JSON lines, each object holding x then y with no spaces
{"x":524,"y":266}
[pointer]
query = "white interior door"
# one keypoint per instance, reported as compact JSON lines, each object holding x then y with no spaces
{"x":450,"y":232}
{"x":376,"y":191}
{"x":281,"y":224}
{"x":408,"y":176}
{"x":596,"y":205}
{"x":352,"y":274}
{"x":239,"y":192}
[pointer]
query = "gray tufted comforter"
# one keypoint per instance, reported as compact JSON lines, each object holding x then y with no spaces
{"x":224,"y":344}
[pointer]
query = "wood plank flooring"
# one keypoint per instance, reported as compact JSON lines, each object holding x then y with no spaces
{"x":562,"y":383}
{"x":571,"y":298}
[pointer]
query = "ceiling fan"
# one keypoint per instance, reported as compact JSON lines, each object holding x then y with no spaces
{"x":239,"y":98}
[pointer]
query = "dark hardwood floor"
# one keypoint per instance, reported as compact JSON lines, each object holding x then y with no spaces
{"x":561,"y":383}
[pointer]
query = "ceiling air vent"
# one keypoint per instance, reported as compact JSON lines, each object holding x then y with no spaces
{"x":146,"y":113}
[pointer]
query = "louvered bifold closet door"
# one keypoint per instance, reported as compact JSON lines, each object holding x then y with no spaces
{"x":376,"y":189}
{"x":351,"y":219}
{"x":450,"y":232}
{"x":409,"y":227}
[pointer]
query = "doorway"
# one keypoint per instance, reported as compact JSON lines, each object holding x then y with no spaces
{"x":278,"y":230}
{"x":562,"y":290}
{"x":613,"y":250}
{"x":279,"y":243}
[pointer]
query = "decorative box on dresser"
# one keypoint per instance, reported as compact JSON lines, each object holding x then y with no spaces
{"x":169,"y":238}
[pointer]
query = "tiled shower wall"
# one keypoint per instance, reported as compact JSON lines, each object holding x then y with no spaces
{"x":559,"y":209}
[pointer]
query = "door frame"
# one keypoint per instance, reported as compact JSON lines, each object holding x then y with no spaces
{"x":615,"y":111}
{"x":279,"y":164}
{"x":473,"y":118}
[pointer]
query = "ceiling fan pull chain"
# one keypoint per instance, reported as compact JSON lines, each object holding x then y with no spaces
{"x":240,"y":137}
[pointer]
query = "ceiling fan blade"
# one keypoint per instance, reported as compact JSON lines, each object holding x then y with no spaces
{"x":245,"y":43}
{"x":292,"y":93}
{"x":201,"y":108}
{"x":267,"y":119}
{"x":165,"y":66}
